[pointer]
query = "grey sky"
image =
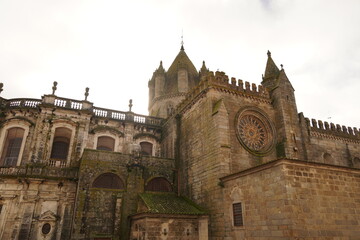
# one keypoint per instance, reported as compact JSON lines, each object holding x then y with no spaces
{"x":113,"y":47}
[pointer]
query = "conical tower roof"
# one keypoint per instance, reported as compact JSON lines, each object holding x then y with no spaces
{"x":271,"y":70}
{"x":182,"y":61}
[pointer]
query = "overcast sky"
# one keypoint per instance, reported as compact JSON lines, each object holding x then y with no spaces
{"x":113,"y":47}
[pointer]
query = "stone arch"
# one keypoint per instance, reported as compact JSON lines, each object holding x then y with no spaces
{"x":108,"y":181}
{"x":13,"y":135}
{"x":158,"y":184}
{"x":61,"y":142}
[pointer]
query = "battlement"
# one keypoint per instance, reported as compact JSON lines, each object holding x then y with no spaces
{"x":331,"y":128}
{"x":220,"y":78}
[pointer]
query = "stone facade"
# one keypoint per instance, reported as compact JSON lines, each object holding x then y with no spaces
{"x":217,"y":158}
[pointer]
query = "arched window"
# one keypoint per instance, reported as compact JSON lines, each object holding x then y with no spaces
{"x":108,"y":180}
{"x":158,"y":184}
{"x":105,"y":143}
{"x":146,"y":148}
{"x":61,"y":142}
{"x":12,"y":146}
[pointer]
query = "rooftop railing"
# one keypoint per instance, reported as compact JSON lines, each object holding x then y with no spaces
{"x":72,"y":104}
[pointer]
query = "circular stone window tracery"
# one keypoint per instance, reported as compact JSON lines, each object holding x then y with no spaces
{"x":254,"y":131}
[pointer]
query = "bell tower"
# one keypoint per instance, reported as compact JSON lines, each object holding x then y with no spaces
{"x":168,"y":88}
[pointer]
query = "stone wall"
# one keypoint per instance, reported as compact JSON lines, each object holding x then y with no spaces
{"x":104,"y":212}
{"x":289,"y":199}
{"x":169,"y":227}
{"x":29,"y":203}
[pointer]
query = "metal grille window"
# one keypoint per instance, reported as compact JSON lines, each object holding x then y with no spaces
{"x":237,"y":214}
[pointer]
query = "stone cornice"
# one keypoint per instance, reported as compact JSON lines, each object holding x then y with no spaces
{"x":285,"y":161}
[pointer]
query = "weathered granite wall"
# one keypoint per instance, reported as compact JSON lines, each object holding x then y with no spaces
{"x":27,"y":204}
{"x":104,"y":212}
{"x":169,"y":227}
{"x":288,"y":199}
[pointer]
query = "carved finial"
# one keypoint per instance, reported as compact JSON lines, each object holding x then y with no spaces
{"x":269,"y":53}
{"x":54,"y":87}
{"x":1,"y":87}
{"x":282,"y":66}
{"x":130,"y":105}
{"x":86,"y":93}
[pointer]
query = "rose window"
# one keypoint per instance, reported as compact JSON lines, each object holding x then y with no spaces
{"x":254,"y":131}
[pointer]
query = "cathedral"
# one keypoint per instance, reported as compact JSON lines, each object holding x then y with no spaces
{"x":216,"y":158}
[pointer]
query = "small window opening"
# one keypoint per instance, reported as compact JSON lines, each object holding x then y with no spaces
{"x":105,"y":143}
{"x":12,"y":146}
{"x":237,"y":214}
{"x":146,"y":148}
{"x":46,"y":228}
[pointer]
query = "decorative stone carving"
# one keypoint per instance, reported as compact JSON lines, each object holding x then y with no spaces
{"x":255,"y":131}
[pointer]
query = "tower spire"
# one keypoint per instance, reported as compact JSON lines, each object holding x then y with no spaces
{"x":182,"y":40}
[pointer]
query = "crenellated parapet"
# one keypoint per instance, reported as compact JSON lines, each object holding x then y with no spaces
{"x":221,"y":82}
{"x":220,"y":79}
{"x":317,"y":127}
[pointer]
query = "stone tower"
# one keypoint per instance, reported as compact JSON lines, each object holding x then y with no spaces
{"x":284,"y":103}
{"x":168,"y":88}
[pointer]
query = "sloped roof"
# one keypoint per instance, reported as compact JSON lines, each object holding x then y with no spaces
{"x":182,"y":61}
{"x":170,"y":203}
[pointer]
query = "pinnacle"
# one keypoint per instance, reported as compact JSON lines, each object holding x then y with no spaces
{"x":271,"y":69}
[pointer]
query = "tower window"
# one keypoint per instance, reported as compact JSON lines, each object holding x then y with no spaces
{"x":105,"y":143}
{"x":146,"y":148}
{"x":12,"y":146}
{"x":238,"y":215}
{"x":61,"y":143}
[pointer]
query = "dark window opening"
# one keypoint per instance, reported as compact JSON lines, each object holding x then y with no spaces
{"x":46,"y":228}
{"x":146,"y":148}
{"x":237,"y":214}
{"x":61,"y":143}
{"x":12,"y":146}
{"x":105,"y":143}
{"x":158,"y":184}
{"x":108,"y":180}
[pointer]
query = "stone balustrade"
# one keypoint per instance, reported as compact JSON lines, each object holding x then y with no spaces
{"x":23,"y":102}
{"x":72,"y":104}
{"x":49,"y":172}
